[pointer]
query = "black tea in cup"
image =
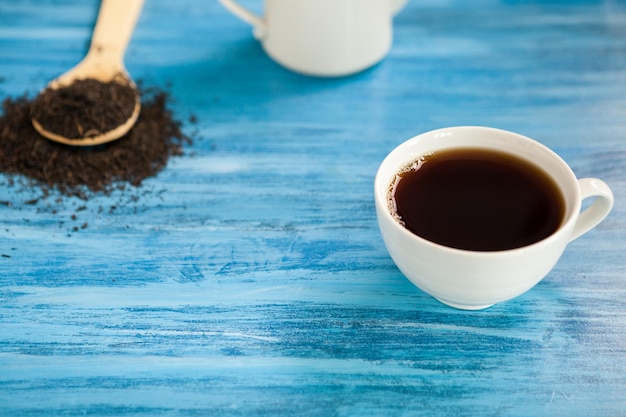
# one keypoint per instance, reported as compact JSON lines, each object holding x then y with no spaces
{"x":477,"y":199}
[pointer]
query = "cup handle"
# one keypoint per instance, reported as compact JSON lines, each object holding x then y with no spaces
{"x":258,"y":24}
{"x":598,"y":210}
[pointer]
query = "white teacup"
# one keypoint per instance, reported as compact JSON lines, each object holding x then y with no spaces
{"x":474,"y":280}
{"x":323,"y":37}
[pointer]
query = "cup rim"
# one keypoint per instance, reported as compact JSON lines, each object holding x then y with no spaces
{"x":381,"y":185}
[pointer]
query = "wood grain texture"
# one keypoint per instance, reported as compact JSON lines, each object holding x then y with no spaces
{"x":249,"y":277}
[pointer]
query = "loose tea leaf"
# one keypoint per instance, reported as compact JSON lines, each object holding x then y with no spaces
{"x":77,"y":171}
{"x":85,"y":108}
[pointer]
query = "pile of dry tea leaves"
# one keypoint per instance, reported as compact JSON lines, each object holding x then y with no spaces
{"x":80,"y":171}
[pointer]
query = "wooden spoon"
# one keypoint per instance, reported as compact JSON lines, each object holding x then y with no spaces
{"x":104,"y":62}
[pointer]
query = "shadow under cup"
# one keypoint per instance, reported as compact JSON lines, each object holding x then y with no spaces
{"x":475,"y":280}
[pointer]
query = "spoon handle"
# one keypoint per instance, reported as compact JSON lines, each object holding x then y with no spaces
{"x":114,"y":28}
{"x":105,"y":59}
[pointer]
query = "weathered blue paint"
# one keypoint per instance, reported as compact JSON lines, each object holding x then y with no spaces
{"x":249,"y":278}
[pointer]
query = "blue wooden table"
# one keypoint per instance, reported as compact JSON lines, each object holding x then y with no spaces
{"x":249,"y":277}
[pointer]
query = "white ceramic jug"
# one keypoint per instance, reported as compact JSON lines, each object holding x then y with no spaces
{"x":323,"y":37}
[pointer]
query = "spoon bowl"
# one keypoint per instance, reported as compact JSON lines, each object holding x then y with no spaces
{"x":104,"y":62}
